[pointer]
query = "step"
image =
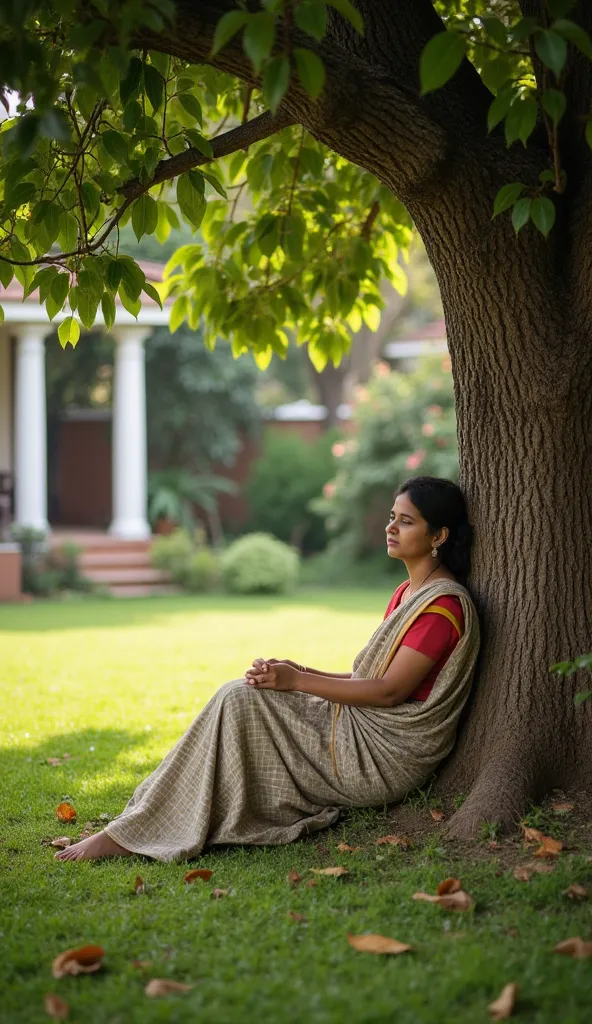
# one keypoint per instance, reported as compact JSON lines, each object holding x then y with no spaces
{"x":99,"y":542}
{"x":125,"y":577}
{"x":113,"y":559}
{"x":144,"y":590}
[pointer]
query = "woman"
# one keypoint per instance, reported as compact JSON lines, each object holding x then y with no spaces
{"x":277,"y":754}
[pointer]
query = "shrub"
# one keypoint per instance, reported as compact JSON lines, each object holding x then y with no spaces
{"x":259,"y":564}
{"x":202,"y":571}
{"x":47,"y":571}
{"x":173,"y":553}
{"x":288,"y":474}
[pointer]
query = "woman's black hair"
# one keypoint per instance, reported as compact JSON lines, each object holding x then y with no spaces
{"x":442,"y":503}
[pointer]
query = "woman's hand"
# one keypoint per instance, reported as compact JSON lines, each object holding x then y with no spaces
{"x":272,"y":675}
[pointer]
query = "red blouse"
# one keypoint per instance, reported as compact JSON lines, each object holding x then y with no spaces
{"x":431,"y":634}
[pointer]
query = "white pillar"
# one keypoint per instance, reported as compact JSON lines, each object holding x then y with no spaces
{"x":30,"y":463}
{"x":129,"y":435}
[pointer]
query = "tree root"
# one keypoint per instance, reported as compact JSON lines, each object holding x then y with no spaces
{"x":498,"y":797}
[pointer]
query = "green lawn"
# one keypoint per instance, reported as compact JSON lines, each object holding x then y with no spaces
{"x":114,"y":684}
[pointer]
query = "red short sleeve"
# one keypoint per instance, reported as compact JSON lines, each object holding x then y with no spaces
{"x":433,"y":634}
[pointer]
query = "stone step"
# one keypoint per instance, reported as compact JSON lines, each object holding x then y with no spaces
{"x":113,"y":559}
{"x":128,"y":577}
{"x":144,"y":590}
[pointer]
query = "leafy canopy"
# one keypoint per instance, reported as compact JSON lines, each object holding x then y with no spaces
{"x":289,"y":238}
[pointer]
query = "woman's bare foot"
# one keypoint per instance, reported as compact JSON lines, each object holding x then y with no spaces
{"x":99,"y":845}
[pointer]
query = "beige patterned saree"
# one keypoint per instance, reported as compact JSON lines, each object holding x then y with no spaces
{"x":266,"y":767}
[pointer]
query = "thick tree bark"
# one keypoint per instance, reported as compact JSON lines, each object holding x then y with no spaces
{"x":519,"y":322}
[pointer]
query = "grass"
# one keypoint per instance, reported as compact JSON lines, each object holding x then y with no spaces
{"x":114,"y":684}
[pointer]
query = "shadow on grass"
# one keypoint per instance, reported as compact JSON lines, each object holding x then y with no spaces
{"x":95,"y":613}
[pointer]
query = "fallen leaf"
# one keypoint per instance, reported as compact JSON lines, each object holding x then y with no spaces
{"x":299,"y":918}
{"x":576,"y":892}
{"x":335,"y":872}
{"x":85,"y":960}
{"x":562,"y":808}
{"x":575,"y":947}
{"x":204,"y":873}
{"x":549,"y":847}
{"x":539,"y":867}
{"x":513,"y":933}
{"x":436,"y":813}
{"x":294,"y":877}
{"x":219,"y":893}
{"x":344,"y":848}
{"x":311,"y":883}
{"x":493,"y":845}
{"x":142,"y":965}
{"x":448,"y":885}
{"x":139,"y":885}
{"x":532,"y":835}
{"x":67,"y":757}
{"x":522,"y":873}
{"x":403,"y":841}
{"x":65,"y":812}
{"x":164,"y":987}
{"x":54,"y":761}
{"x":376,"y":944}
{"x":323,"y":850}
{"x":55,"y":1007}
{"x":502,"y":1008}
{"x":450,"y":901}
{"x":62,"y":842}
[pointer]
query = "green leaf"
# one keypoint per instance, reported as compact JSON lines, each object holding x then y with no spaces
{"x":130,"y":85}
{"x":88,"y":303}
{"x":198,"y":142}
{"x":21,"y":193}
{"x":108,"y":309}
{"x":152,"y":292}
{"x":131,"y":115}
{"x":276,"y":76}
{"x":439,"y":60}
{"x":144,"y":216}
{"x":1,"y":315}
{"x":6,"y":273}
{"x":191,"y":104}
{"x":349,"y":12}
{"x":311,"y":17}
{"x":215,"y":183}
{"x":116,"y":146}
{"x":132,"y":277}
{"x":552,"y":49}
{"x":521,"y":120}
{"x":258,"y":37}
{"x":58,"y":292}
{"x":574,"y":34}
{"x":293,"y":230}
{"x":582,"y":696}
{"x":69,"y":332}
{"x":311,"y":71}
{"x":179,"y":312}
{"x":113,"y":276}
{"x":499,"y":108}
{"x":521,"y":213}
{"x":47,"y":218}
{"x":68,"y":235}
{"x":554,"y":103}
{"x":133,"y":306}
{"x":263,"y":357}
{"x":507,"y":196}
{"x":542,"y":214}
{"x":227,"y":27}
{"x":90,"y":198}
{"x":154,"y":86}
{"x":190,"y":197}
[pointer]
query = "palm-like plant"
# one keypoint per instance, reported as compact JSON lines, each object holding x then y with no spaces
{"x":174,"y":494}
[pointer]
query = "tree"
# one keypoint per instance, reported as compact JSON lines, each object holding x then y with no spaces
{"x":367,"y":116}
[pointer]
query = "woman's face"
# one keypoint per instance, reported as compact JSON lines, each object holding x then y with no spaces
{"x":407,"y":534}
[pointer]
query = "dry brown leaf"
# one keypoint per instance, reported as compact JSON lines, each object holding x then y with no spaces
{"x":299,"y":918}
{"x":403,"y":841}
{"x":503,"y":1006}
{"x":142,"y":965}
{"x":376,"y":944}
{"x":54,"y":761}
{"x":493,"y":845}
{"x":85,"y":960}
{"x":522,"y":873}
{"x":164,"y":987}
{"x":576,"y":947}
{"x":532,"y":835}
{"x":450,"y":901}
{"x":448,"y":885}
{"x":540,"y":867}
{"x":436,"y":813}
{"x":138,"y":885}
{"x":311,"y":883}
{"x":55,"y":1007}
{"x":344,"y":848}
{"x":204,"y":873}
{"x":513,"y":933}
{"x":62,"y":842}
{"x":576,"y":892}
{"x":218,"y":894}
{"x":562,"y":808}
{"x":335,"y":872}
{"x":65,"y":812}
{"x":294,"y":877}
{"x":549,"y":847}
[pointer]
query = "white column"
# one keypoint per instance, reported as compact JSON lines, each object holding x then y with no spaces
{"x":30,"y":469}
{"x":129,"y":435}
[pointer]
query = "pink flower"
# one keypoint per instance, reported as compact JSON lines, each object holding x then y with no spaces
{"x":428,"y":429}
{"x":361,"y":393}
{"x":416,"y":459}
{"x":434,"y":410}
{"x":383,"y":369}
{"x":329,"y":490}
{"x":338,"y":449}
{"x":447,"y":364}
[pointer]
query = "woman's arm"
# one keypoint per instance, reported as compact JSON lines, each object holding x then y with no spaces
{"x":404,"y":674}
{"x":258,"y":662}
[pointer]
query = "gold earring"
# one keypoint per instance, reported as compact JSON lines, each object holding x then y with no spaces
{"x":434,"y":552}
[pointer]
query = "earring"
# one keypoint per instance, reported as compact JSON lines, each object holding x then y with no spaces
{"x":434,"y":552}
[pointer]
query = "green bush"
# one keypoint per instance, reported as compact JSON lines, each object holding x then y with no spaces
{"x":173,"y":553}
{"x":46,"y":570}
{"x":259,"y":564}
{"x":288,"y":474}
{"x":202,"y":571}
{"x":404,"y":425}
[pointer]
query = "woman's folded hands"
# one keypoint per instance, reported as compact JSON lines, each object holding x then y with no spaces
{"x":272,"y":674}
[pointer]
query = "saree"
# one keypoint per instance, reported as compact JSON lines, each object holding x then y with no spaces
{"x":266,"y":767}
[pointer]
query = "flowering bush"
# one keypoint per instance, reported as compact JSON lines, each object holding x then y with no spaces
{"x":404,"y":425}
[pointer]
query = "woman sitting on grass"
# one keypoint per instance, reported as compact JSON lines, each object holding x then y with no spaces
{"x":276,"y":755}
